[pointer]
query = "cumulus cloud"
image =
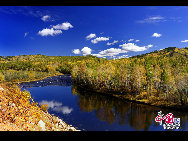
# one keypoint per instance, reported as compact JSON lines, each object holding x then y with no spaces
{"x":110,"y":52}
{"x":86,"y":51}
{"x":132,"y":47}
{"x":114,"y":42}
{"x":63,"y":26}
{"x":46,"y":18}
{"x":55,"y":30}
{"x":51,"y":32}
{"x":57,"y":106}
{"x":126,"y":47}
{"x":99,"y":39}
{"x":184,"y":41}
{"x":137,"y":40}
{"x":157,"y":35}
{"x":76,"y":51}
{"x":90,"y":36}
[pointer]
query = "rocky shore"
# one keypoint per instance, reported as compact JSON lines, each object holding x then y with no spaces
{"x":18,"y":112}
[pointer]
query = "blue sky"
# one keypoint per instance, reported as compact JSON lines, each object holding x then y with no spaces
{"x":103,"y":31}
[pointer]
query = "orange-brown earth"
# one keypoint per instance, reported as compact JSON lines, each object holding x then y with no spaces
{"x":18,"y":112}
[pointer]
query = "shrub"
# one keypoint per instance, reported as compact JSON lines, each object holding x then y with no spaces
{"x":2,"y":77}
{"x":44,"y":107}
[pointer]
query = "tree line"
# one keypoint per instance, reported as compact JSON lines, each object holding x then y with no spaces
{"x":159,"y":77}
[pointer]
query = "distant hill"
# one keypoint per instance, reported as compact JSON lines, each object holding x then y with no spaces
{"x":168,"y":52}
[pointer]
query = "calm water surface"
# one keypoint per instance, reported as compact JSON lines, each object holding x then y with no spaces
{"x":95,"y":112}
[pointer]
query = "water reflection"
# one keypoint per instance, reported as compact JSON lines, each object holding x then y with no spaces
{"x":92,"y":109}
{"x":110,"y":109}
{"x":57,"y":106}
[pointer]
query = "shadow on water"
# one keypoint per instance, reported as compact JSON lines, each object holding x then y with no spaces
{"x":60,"y":80}
{"x":108,"y":109}
{"x":111,"y":109}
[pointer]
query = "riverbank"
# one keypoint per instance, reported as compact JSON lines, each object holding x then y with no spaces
{"x":18,"y":112}
{"x":31,"y":79}
{"x":164,"y":105}
{"x":152,"y":101}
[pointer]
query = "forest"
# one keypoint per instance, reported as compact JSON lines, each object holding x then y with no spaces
{"x":156,"y":78}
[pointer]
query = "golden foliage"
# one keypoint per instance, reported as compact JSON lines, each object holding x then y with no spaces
{"x":20,"y":112}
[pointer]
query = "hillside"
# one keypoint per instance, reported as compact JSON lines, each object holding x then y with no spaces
{"x":168,"y":52}
{"x":159,"y":77}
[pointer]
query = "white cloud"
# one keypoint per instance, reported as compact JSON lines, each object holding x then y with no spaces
{"x":156,"y":18}
{"x":114,"y":42}
{"x":97,"y":55}
{"x":63,"y":26}
{"x":110,"y":52}
{"x":130,"y":40}
{"x":99,"y":39}
{"x":184,"y":41}
{"x":46,"y":18}
{"x":137,"y":40}
{"x":51,"y":32}
{"x":126,"y":47}
{"x":55,"y":30}
{"x":90,"y":36}
{"x":51,"y":104}
{"x":86,"y":51}
{"x":57,"y":106}
{"x":63,"y":109}
{"x":157,"y":35}
{"x":149,"y":46}
{"x":26,"y":33}
{"x":123,"y":56}
{"x":132,"y":47}
{"x":153,"y":19}
{"x":76,"y":51}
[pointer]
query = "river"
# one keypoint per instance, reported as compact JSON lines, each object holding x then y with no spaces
{"x":88,"y":111}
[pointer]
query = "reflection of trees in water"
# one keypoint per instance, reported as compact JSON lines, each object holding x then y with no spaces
{"x":140,"y":116}
{"x":102,"y":107}
{"x":110,"y":109}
